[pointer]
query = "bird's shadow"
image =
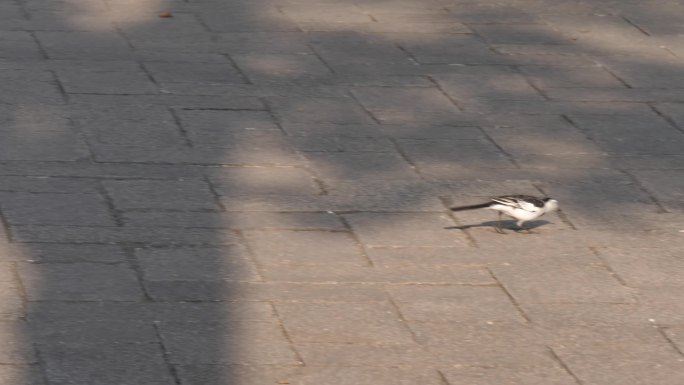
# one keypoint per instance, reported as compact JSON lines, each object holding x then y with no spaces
{"x":506,"y":225}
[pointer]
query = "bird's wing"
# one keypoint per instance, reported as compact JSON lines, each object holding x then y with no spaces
{"x":523,"y":202}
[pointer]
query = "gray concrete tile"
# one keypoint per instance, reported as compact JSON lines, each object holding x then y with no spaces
{"x":196,"y":264}
{"x":404,"y":229}
{"x":243,"y":343}
{"x":343,"y":323}
{"x":278,"y":247}
{"x":56,"y":209}
{"x":161,"y":194}
{"x":79,"y":282}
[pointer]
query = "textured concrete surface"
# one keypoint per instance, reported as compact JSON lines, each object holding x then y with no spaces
{"x":256,"y":192}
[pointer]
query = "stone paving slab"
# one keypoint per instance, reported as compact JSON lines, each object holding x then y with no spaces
{"x":258,"y":192}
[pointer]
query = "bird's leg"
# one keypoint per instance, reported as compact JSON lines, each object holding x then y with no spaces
{"x":498,"y":225}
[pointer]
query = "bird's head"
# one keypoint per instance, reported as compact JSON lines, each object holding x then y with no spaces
{"x":550,"y":204}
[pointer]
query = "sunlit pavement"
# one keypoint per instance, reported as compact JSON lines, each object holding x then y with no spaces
{"x":217,"y":192}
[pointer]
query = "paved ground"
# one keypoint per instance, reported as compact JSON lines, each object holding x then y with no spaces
{"x":255,"y":192}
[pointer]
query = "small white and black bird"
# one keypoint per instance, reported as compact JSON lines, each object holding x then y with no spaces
{"x":521,"y":207}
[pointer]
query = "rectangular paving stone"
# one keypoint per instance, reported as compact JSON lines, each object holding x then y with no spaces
{"x":243,"y":343}
{"x":55,"y":209}
{"x":632,"y":355}
{"x":666,"y":75}
{"x":483,"y":345}
{"x":355,"y":166}
{"x":343,"y":322}
{"x":17,"y":347}
{"x":540,"y":375}
{"x":178,"y":72}
{"x":46,"y":184}
{"x":504,"y":86}
{"x":549,"y":315}
{"x":639,"y":267}
{"x":400,"y":275}
{"x":408,"y":105}
{"x":184,"y":27}
{"x":137,"y":235}
{"x":340,"y":144}
{"x":355,"y":355}
{"x":456,"y":304}
{"x":93,"y":334}
{"x":404,"y":229}
{"x":319,"y":110}
{"x":520,"y":34}
{"x":12,"y":306}
{"x":583,"y":279}
{"x":321,"y":375}
{"x":427,"y":256}
{"x":62,"y":253}
{"x":71,"y":365}
{"x":122,"y":132}
{"x":376,"y":203}
{"x":369,"y":54}
{"x":263,"y":180}
{"x":196,"y":264}
{"x":233,"y":151}
{"x":79,"y":281}
{"x":64,"y":147}
{"x":243,"y":19}
{"x":161,"y":194}
{"x":147,"y":313}
{"x":18,"y":44}
{"x":210,"y":126}
{"x":450,"y":49}
{"x":264,"y":291}
{"x":80,"y":81}
{"x":549,"y":77}
{"x":270,"y":67}
{"x":465,"y":153}
{"x":101,"y":45}
{"x":312,"y":248}
{"x":623,"y":134}
{"x":42,"y":89}
{"x":236,"y":220}
{"x":22,"y":375}
{"x":666,"y":185}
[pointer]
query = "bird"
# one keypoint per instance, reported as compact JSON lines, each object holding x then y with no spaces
{"x":521,"y":207}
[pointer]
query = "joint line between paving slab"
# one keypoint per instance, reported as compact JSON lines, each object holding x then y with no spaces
{"x":667,"y":118}
{"x":23,"y":295}
{"x":442,"y":378}
{"x":288,"y":337}
{"x":355,"y":237}
{"x":498,"y":147}
{"x":242,"y":241}
{"x":563,"y":365}
{"x":165,"y":354}
{"x":661,"y":330}
{"x":597,"y":253}
{"x":510,"y":296}
{"x":469,"y":238}
{"x":633,"y":24}
{"x":132,"y":260}
{"x":446,"y":95}
{"x":40,"y":362}
{"x":403,"y":320}
{"x":637,"y":182}
{"x":179,"y":125}
{"x":320,"y":58}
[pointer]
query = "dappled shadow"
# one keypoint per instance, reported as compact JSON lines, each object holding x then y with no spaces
{"x":249,"y":192}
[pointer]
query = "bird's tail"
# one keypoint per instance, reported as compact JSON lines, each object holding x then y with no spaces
{"x":471,"y":207}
